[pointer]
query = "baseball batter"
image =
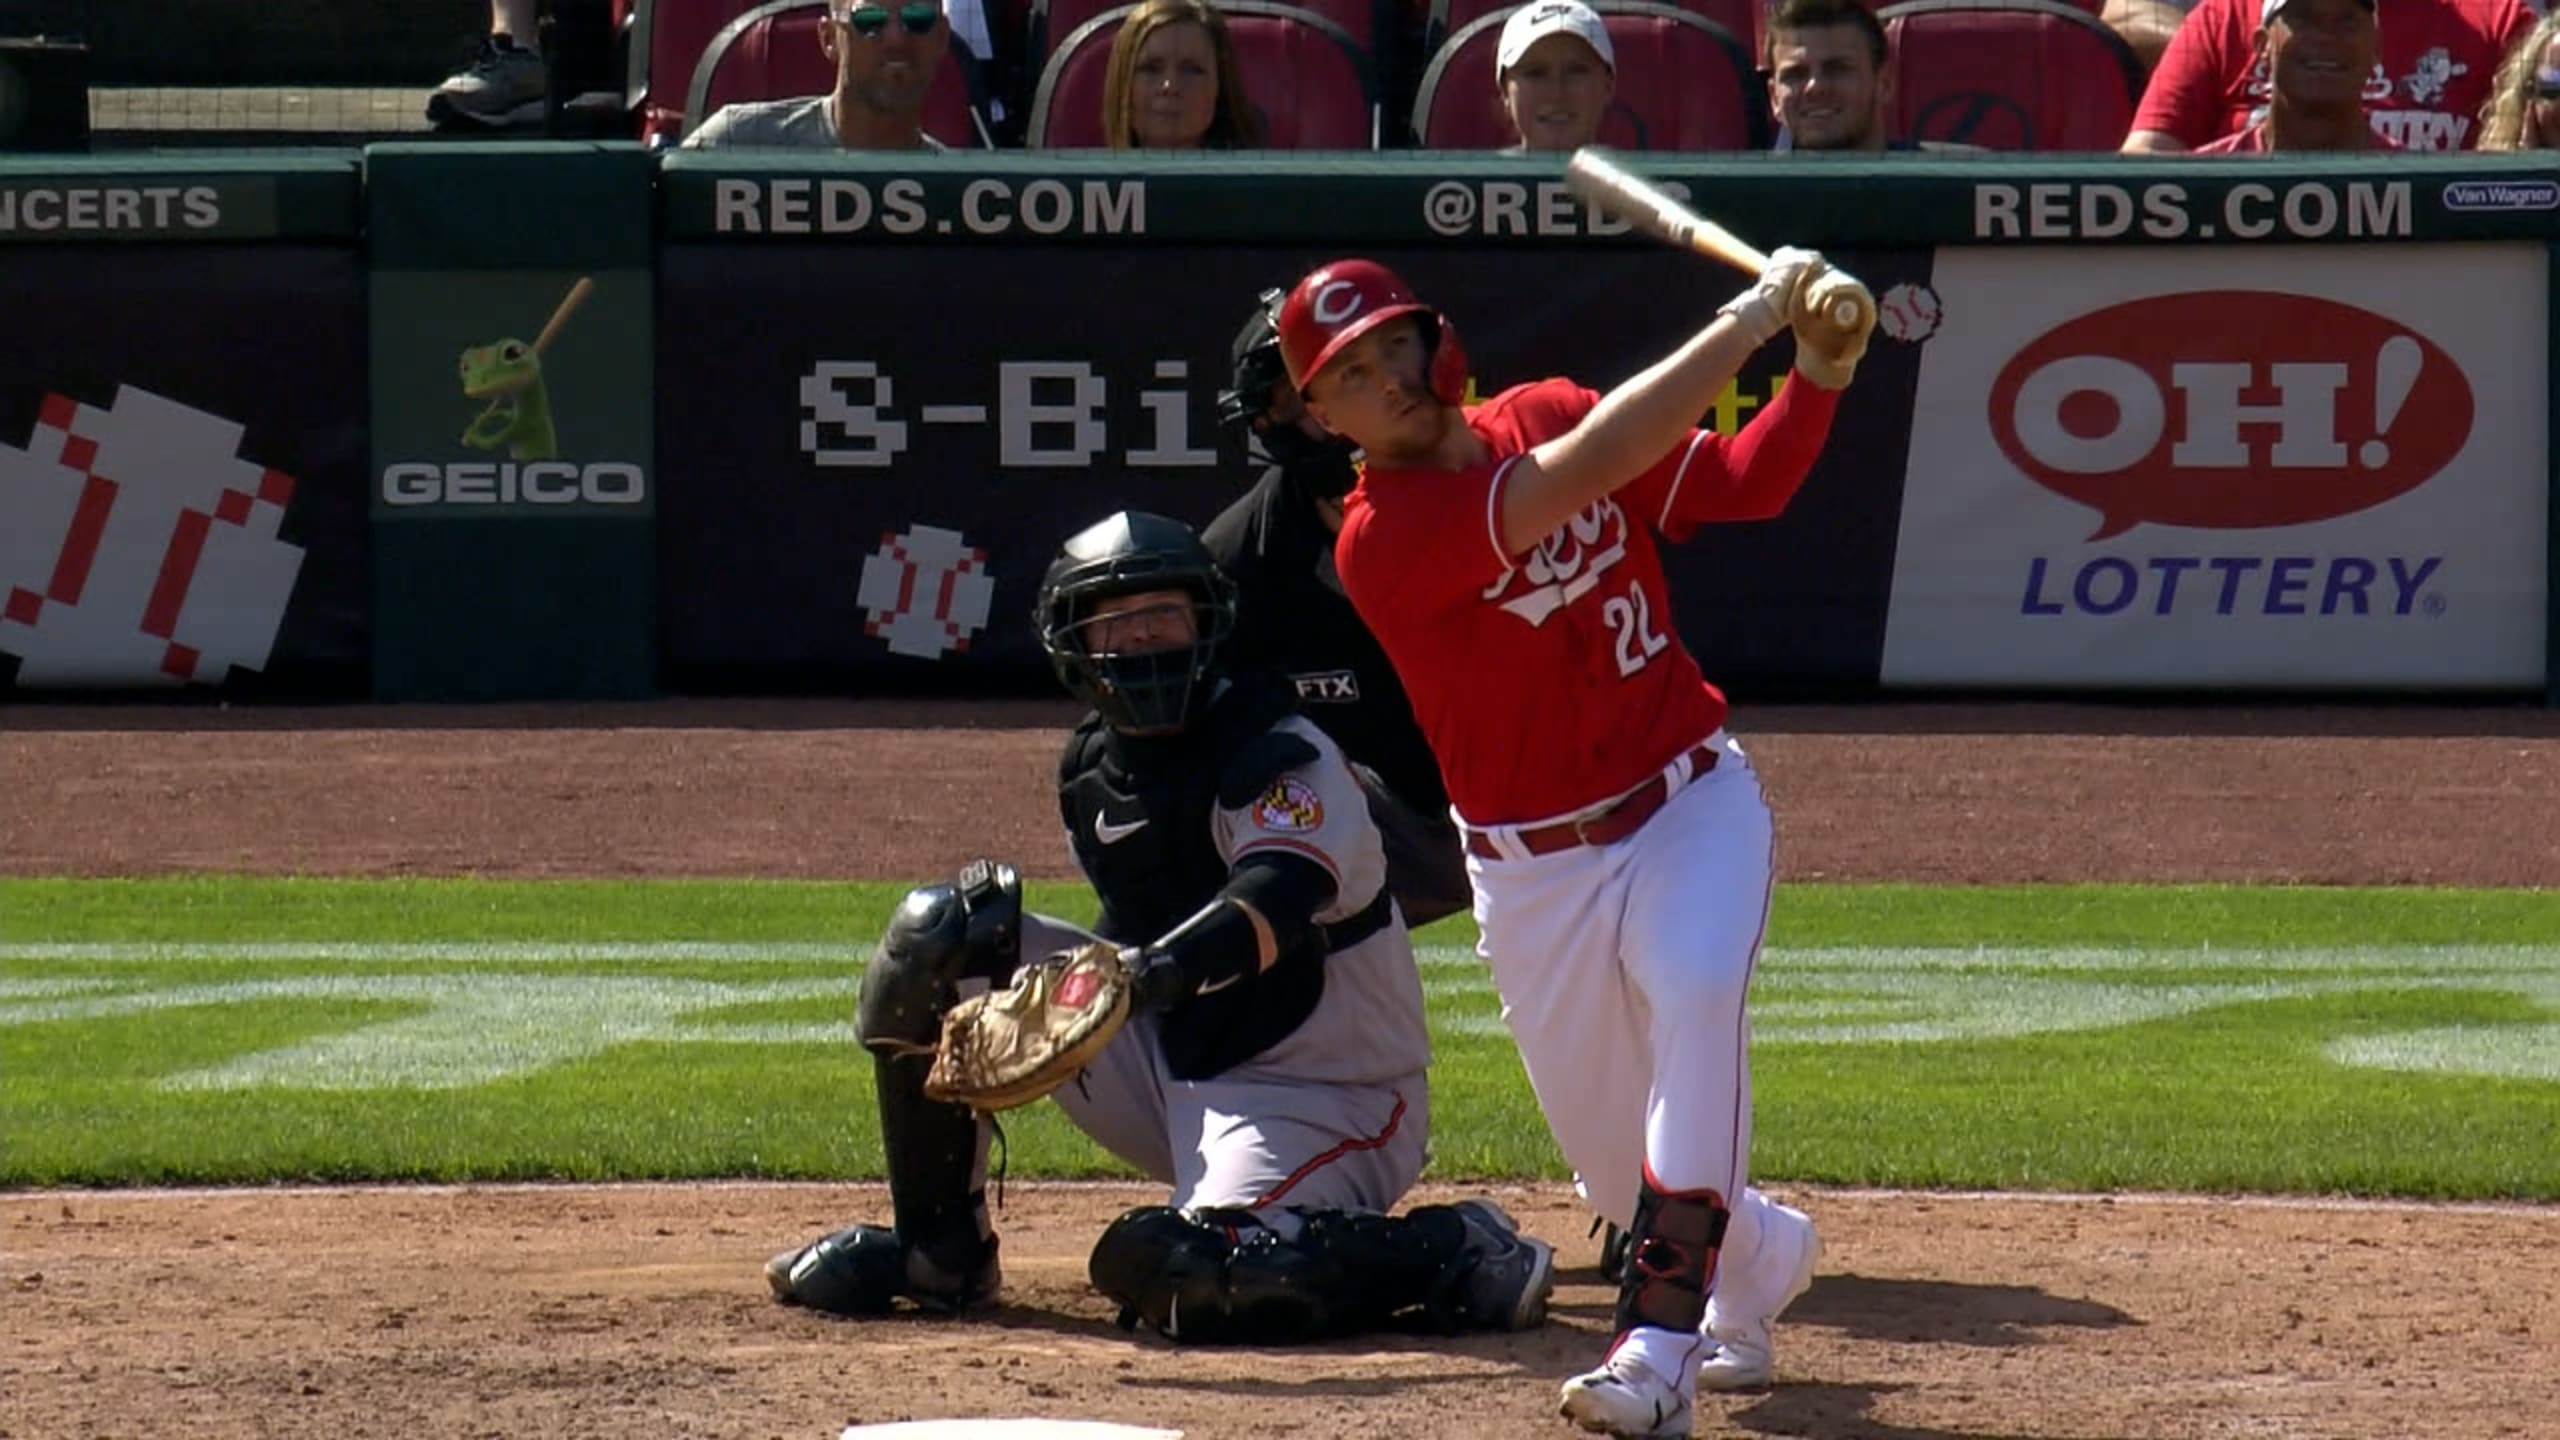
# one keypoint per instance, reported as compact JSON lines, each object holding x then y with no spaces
{"x":1274,"y":1073}
{"x":1618,"y":843}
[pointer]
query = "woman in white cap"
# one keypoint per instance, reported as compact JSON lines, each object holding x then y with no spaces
{"x":1556,"y":72}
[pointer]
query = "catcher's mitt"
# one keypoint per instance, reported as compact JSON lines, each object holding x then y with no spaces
{"x":1009,"y":1047}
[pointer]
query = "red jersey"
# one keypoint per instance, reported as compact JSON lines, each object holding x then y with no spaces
{"x":1553,"y":680}
{"x":2437,"y":60}
{"x":2253,"y":141}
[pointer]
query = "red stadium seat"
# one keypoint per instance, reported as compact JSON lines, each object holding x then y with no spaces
{"x":2010,"y":75}
{"x":1684,"y":83}
{"x":771,"y":53}
{"x":1448,"y":17}
{"x":1313,"y":87}
{"x":1367,"y":22}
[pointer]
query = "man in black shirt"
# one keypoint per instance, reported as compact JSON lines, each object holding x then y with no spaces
{"x":1276,"y":543}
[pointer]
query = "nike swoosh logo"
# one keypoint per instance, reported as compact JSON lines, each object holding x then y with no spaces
{"x":1110,"y":834}
{"x":1221,"y":985}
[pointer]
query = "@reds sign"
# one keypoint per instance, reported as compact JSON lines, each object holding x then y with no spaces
{"x":925,"y":592}
{"x":2230,"y":409}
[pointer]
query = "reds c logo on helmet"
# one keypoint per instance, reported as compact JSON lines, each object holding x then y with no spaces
{"x":1338,"y":303}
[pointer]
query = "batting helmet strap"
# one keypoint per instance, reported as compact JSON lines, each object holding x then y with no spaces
{"x":1339,"y":302}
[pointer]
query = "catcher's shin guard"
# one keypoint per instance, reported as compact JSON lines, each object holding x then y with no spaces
{"x":1223,"y":1277}
{"x":936,"y":1153}
{"x":1671,"y":1257}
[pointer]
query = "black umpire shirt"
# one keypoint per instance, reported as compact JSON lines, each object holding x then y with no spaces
{"x":1292,"y":615}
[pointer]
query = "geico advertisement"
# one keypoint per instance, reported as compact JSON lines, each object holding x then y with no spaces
{"x":2315,"y":468}
{"x":511,"y":394}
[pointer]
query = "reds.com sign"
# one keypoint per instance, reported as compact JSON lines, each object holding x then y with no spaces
{"x":2230,"y":409}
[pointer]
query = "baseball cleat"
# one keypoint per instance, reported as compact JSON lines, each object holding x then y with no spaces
{"x":1744,"y":1354}
{"x":1513,"y":1274}
{"x":1625,"y":1398}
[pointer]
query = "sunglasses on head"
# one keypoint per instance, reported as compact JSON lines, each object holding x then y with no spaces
{"x":917,"y":16}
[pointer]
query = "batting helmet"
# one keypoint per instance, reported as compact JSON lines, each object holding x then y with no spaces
{"x":1244,"y":408}
{"x":1142,"y":692}
{"x":1338,"y":303}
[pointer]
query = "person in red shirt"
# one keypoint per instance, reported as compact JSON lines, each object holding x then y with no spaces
{"x":1618,"y":842}
{"x":2423,"y":93}
{"x":2317,"y":53}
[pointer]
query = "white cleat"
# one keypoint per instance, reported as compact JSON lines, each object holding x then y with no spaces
{"x":1625,"y":1398}
{"x":1744,"y":1356}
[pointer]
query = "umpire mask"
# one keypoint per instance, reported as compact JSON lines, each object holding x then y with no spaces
{"x":1149,"y":691}
{"x":1320,"y":466}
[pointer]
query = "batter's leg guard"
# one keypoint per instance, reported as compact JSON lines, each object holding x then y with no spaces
{"x":1222,"y":1277}
{"x":1671,"y":1254}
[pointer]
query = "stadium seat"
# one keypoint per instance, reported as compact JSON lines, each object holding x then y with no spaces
{"x":1313,"y":87}
{"x":1739,"y":17}
{"x":1684,"y":83}
{"x":2010,"y":75}
{"x":771,"y":53}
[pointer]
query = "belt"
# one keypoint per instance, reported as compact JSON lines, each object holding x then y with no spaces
{"x":1623,"y":817}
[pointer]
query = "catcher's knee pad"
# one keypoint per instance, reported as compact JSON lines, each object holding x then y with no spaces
{"x":1671,"y":1252}
{"x":939,"y":936}
{"x":862,"y":1270}
{"x":1221,"y":1278}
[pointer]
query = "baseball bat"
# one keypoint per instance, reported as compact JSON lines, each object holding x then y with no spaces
{"x":569,"y":304}
{"x":1653,"y":211}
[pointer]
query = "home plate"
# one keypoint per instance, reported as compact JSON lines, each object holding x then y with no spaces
{"x":1007,"y":1431}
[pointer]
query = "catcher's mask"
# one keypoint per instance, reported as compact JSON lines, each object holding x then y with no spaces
{"x":1258,"y":376}
{"x":1140,"y":692}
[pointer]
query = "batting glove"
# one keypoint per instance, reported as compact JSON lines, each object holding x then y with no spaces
{"x":1762,"y":310}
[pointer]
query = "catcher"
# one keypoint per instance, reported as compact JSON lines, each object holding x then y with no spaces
{"x":1246,"y":1026}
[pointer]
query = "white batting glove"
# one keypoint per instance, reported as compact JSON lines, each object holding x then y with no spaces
{"x":1764,"y":309}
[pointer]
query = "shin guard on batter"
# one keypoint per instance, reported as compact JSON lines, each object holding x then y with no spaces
{"x":1671,"y":1258}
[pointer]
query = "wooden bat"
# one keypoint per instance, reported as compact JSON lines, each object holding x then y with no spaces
{"x":569,"y":304}
{"x":1653,"y":211}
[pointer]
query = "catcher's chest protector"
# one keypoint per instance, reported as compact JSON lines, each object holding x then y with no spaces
{"x":1153,"y":877}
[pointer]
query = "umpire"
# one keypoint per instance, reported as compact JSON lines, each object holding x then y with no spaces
{"x":1276,"y":543}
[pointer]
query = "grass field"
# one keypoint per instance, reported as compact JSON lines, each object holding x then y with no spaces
{"x":2402,"y":1042}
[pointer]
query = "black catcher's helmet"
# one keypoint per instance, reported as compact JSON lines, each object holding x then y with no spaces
{"x":1258,"y":372}
{"x":1143,"y":693}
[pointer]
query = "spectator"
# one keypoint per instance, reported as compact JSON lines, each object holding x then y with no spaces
{"x":2318,"y":52}
{"x":885,"y":61}
{"x":1173,"y":83}
{"x":1828,"y":86}
{"x":1557,"y":72}
{"x":2425,"y":92}
{"x":506,"y":84}
{"x":2146,"y":25}
{"x":2524,"y":102}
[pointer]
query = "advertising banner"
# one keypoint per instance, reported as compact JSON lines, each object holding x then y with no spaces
{"x":514,"y":492}
{"x":2289,"y":469}
{"x":503,"y":394}
{"x":869,"y":457}
{"x":182,"y":468}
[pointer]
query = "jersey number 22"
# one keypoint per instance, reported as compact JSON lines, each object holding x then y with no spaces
{"x":1630,"y":618}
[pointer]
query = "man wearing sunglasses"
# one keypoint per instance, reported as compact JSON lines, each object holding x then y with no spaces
{"x":885,"y":54}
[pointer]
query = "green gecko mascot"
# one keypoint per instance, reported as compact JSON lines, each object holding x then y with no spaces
{"x":508,"y":374}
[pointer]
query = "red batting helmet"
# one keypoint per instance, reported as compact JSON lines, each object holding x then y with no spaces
{"x":1338,"y":303}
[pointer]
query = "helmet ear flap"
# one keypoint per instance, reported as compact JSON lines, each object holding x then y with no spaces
{"x":1448,"y":365}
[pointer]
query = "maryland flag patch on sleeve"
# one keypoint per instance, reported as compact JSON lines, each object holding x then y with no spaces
{"x":1288,"y":806}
